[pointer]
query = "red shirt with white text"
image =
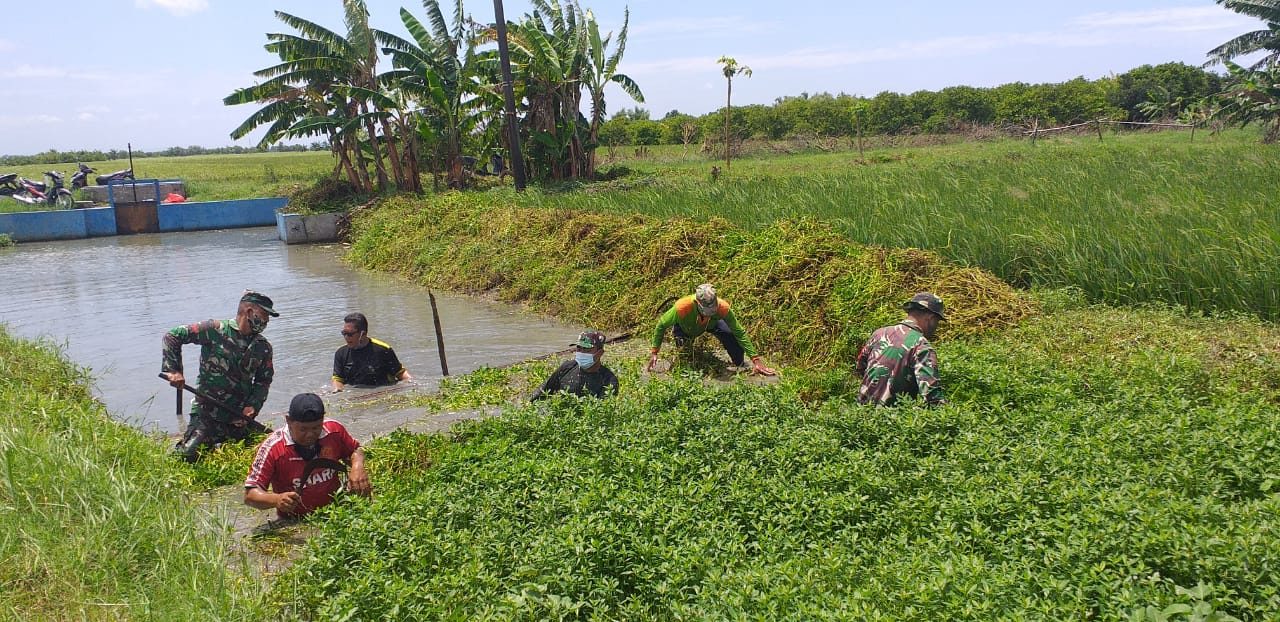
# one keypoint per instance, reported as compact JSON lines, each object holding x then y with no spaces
{"x":278,"y":466}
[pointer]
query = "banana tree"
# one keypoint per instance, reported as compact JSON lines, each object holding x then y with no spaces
{"x":600,"y":71}
{"x":1263,"y":40}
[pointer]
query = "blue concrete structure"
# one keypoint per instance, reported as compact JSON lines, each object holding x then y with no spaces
{"x":101,"y":221}
{"x":200,"y":216}
{"x":59,"y":225}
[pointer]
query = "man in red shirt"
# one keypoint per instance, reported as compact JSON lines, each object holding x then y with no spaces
{"x":301,"y":464}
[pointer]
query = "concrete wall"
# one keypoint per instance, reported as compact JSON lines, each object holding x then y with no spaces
{"x":99,"y":221}
{"x":59,"y":225}
{"x":299,"y":229}
{"x":199,"y":216}
{"x":124,"y":192}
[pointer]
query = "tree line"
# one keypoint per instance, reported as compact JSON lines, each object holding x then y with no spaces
{"x":54,"y":156}
{"x":1148,"y":93}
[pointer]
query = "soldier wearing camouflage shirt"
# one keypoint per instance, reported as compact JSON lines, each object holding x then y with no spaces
{"x":235,"y":368}
{"x":899,"y":360}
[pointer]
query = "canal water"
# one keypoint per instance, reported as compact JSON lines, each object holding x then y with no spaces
{"x":110,"y":300}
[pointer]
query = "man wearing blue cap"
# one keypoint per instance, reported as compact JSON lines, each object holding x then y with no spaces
{"x":235,"y":369}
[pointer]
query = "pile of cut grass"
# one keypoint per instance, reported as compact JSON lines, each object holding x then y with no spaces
{"x":803,"y":292}
{"x":95,"y":520}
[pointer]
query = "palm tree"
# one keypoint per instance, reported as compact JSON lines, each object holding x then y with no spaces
{"x":1267,"y":39}
{"x":600,"y":72}
{"x":731,"y":68}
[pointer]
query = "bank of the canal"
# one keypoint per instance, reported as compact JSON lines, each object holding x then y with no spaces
{"x":109,"y":300}
{"x":95,"y":518}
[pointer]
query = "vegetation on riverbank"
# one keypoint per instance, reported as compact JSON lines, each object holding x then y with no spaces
{"x":1093,"y":463}
{"x":95,"y":522}
{"x":805,"y":294}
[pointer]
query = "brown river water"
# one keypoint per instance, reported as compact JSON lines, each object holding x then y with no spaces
{"x":109,"y":301}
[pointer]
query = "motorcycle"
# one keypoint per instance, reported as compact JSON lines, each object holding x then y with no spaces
{"x":81,"y":177}
{"x":34,"y":193}
{"x":116,"y":176}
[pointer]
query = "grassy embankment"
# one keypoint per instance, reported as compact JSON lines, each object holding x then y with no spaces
{"x":1138,"y":218}
{"x":95,"y":523}
{"x":1093,"y":462}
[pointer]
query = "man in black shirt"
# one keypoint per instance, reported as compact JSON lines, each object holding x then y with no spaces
{"x":585,"y":374}
{"x":364,"y":360}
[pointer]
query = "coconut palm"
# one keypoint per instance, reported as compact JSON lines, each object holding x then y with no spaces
{"x":731,"y":68}
{"x":1267,"y":39}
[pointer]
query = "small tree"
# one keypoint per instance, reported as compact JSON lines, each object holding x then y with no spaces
{"x":731,"y":68}
{"x":1254,"y":97}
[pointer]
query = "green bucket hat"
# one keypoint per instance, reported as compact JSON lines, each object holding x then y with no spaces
{"x":259,"y":299}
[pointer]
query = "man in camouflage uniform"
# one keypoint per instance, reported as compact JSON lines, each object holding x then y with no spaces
{"x":899,"y":360}
{"x":235,"y":368}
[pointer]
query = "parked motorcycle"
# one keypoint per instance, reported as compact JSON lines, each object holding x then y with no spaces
{"x":116,"y":176}
{"x":80,"y":178}
{"x":34,"y":192}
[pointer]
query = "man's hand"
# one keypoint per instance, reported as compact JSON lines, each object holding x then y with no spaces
{"x":358,"y":481}
{"x":176,"y":379}
{"x":653,"y":360}
{"x":760,"y":368}
{"x":288,"y":502}
{"x":248,"y":413}
{"x":358,"y":478}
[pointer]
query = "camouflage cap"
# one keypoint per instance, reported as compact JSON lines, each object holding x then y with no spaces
{"x":705,"y":296}
{"x":259,"y":299}
{"x":927,"y":302}
{"x":590,"y":340}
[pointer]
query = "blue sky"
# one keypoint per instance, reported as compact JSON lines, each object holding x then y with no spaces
{"x":96,"y":74}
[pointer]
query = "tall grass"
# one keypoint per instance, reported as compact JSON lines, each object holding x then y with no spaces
{"x":94,"y":520}
{"x":1135,"y":218}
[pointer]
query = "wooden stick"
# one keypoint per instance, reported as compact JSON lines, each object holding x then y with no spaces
{"x":435,"y":315}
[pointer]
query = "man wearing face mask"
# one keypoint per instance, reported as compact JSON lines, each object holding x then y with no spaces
{"x":899,"y":360}
{"x":585,"y":374}
{"x":703,"y":312}
{"x":235,"y":369}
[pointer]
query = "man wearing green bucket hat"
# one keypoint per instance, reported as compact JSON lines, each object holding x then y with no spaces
{"x":585,"y":374}
{"x":235,"y":369}
{"x":899,"y":360}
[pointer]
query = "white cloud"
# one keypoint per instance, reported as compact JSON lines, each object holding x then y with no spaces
{"x":1176,"y":19}
{"x":86,"y":116}
{"x":1129,"y":28}
{"x":707,"y":26}
{"x":28,"y":120}
{"x":177,"y":7}
{"x":7,"y":46}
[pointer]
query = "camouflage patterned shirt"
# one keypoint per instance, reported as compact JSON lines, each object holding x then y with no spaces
{"x":233,"y":368}
{"x":898,"y":360}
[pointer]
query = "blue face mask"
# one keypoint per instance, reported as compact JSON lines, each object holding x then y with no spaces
{"x":584,"y":359}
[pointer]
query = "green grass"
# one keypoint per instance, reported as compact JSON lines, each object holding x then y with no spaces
{"x":1093,"y":463}
{"x":208,"y":178}
{"x":95,"y":519}
{"x":1139,"y":217}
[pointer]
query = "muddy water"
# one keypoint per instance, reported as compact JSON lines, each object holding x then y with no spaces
{"x":109,"y":300}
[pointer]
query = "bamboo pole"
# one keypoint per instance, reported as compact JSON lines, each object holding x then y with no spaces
{"x":435,"y":316}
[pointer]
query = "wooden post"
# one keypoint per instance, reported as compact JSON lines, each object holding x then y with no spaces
{"x":1193,"y":131}
{"x":435,"y":315}
{"x":1035,"y":128}
{"x":1098,"y":124}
